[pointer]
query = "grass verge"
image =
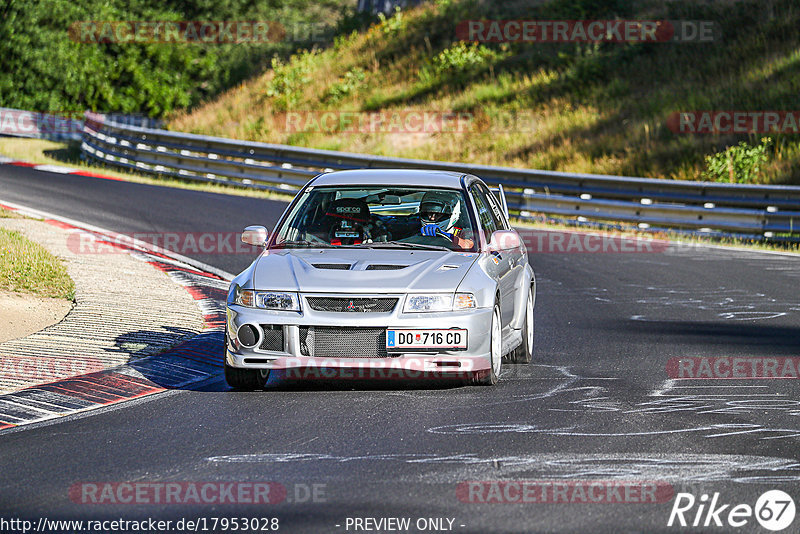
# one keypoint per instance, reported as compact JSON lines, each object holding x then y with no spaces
{"x":6,"y":214}
{"x":26,"y":267}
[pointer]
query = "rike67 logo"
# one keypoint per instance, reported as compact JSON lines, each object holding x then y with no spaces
{"x":774,"y":510}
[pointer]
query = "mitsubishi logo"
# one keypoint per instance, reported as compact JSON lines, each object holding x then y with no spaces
{"x":350,"y":307}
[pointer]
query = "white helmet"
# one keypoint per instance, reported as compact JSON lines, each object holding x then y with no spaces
{"x":441,"y":208}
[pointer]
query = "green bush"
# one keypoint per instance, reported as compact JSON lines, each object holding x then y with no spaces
{"x":458,"y":61}
{"x":393,"y":24}
{"x":348,"y":84}
{"x":43,"y":69}
{"x":290,"y":78}
{"x":737,"y":164}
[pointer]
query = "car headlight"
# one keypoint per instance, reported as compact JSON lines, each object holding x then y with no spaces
{"x":268,"y":300}
{"x":438,"y":302}
{"x":271,"y":300}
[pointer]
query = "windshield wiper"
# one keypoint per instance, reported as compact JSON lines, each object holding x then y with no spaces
{"x":401,"y":244}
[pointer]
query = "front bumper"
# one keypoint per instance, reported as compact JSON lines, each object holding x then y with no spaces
{"x":475,"y":358}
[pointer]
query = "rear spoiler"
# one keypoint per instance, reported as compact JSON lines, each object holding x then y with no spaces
{"x":500,"y":193}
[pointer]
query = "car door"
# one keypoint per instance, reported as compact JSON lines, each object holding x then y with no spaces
{"x":500,"y":267}
{"x":517,"y":256}
{"x":500,"y":217}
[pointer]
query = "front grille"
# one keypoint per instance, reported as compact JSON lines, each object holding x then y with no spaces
{"x":376,"y":267}
{"x":273,"y":337}
{"x":337,"y":266}
{"x":356,"y":305}
{"x":342,"y":342}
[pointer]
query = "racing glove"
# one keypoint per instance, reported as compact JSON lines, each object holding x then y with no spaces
{"x":432,"y":230}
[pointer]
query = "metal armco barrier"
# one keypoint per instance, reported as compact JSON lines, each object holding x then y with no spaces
{"x":755,"y":210}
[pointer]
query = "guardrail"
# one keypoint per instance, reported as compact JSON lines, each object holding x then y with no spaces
{"x":754,"y":210}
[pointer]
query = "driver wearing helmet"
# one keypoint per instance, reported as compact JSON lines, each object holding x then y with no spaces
{"x":439,"y":211}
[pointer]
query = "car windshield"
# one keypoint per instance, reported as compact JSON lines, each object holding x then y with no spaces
{"x":386,"y":217}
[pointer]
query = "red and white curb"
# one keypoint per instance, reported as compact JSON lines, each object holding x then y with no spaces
{"x":5,"y":160}
{"x":191,"y":362}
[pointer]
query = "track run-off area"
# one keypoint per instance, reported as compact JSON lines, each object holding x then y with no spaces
{"x":658,"y":373}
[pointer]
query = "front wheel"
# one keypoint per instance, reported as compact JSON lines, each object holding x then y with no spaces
{"x":246,"y":379}
{"x":524,"y":353}
{"x":489,"y":378}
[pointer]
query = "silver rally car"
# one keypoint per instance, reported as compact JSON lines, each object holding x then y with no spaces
{"x":409,"y":270}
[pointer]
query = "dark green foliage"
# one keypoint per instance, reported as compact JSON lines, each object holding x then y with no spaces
{"x":42,"y":69}
{"x":740,"y":163}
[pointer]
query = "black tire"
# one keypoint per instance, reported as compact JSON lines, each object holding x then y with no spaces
{"x":524,"y":353}
{"x":489,"y":377}
{"x":246,"y":379}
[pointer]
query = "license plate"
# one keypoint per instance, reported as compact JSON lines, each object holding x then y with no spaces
{"x":426,"y":339}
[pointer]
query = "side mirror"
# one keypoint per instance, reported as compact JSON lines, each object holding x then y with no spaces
{"x":504,"y":240}
{"x":255,"y":235}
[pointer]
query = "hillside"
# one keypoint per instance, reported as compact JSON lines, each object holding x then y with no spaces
{"x":581,"y":107}
{"x":49,"y":64}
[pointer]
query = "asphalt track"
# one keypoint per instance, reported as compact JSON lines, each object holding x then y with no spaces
{"x":597,"y":403}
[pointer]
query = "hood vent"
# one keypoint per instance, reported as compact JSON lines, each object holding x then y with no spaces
{"x":377,"y":267}
{"x":336,"y":266}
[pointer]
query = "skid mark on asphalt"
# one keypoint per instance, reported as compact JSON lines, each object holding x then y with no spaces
{"x":733,"y":304}
{"x":787,"y":265}
{"x":726,"y":303}
{"x":458,"y":467}
{"x":710,"y":397}
{"x":708,"y":431}
{"x":544,"y":382}
{"x":578,"y":398}
{"x":191,"y":362}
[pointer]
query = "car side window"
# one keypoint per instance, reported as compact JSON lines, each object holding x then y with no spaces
{"x":497,"y":211}
{"x":485,"y":217}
